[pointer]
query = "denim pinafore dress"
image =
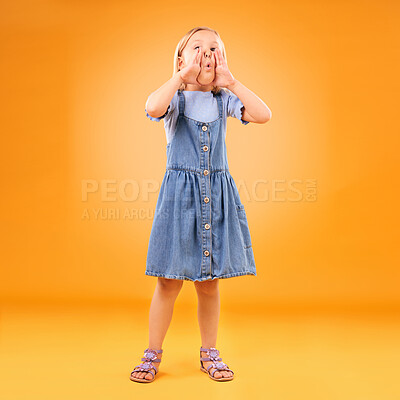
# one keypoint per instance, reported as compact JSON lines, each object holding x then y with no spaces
{"x":200,"y":230}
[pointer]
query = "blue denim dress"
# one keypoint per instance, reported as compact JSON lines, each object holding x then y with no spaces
{"x":200,"y":230}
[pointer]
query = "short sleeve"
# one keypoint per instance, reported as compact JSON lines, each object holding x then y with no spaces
{"x":234,"y":107}
{"x":170,"y":108}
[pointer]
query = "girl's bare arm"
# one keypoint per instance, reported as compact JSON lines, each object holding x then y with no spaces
{"x":159,"y":100}
{"x":255,"y":110}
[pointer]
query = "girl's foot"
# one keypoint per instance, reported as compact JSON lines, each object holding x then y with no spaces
{"x":218,"y":374}
{"x":147,"y":375}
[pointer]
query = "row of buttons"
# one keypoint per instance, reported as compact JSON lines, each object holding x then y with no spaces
{"x":205,"y":148}
{"x":206,"y":199}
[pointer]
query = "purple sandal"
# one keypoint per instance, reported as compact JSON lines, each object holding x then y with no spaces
{"x":150,"y":356}
{"x":213,"y":355}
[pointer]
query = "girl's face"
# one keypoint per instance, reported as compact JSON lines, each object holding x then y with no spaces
{"x":207,"y":41}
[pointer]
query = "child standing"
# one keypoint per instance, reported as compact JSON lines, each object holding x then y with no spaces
{"x":200,"y":231}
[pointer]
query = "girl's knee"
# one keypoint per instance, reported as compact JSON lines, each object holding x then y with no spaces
{"x":207,"y":287}
{"x":171,"y":285}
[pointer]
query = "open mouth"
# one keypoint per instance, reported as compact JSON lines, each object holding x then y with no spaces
{"x":207,"y":66}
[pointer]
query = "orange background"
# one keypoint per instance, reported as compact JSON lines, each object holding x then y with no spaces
{"x":75,"y":79}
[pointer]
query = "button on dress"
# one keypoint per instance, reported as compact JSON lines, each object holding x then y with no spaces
{"x":200,"y":230}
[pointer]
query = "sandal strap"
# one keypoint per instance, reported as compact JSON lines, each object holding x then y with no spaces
{"x":151,"y":360}
{"x":205,"y":349}
{"x":210,"y":359}
{"x":218,"y":367}
{"x":158,"y":351}
{"x":146,"y":366}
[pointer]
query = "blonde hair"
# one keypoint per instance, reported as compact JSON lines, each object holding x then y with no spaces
{"x":181,"y":45}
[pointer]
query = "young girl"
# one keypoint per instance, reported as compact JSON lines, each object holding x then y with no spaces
{"x":200,"y":231}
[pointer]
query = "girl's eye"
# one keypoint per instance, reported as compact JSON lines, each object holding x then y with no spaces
{"x":212,"y":48}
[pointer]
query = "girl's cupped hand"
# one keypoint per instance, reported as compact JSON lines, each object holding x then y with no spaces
{"x":223,"y":76}
{"x":190,"y":72}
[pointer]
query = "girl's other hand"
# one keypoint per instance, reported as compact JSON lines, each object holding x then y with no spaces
{"x":190,"y":72}
{"x":223,"y":76}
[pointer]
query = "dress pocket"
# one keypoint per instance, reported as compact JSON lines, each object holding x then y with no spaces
{"x":244,"y":226}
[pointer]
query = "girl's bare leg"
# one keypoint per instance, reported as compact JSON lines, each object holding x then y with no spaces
{"x":208,"y":316}
{"x":161,"y":309}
